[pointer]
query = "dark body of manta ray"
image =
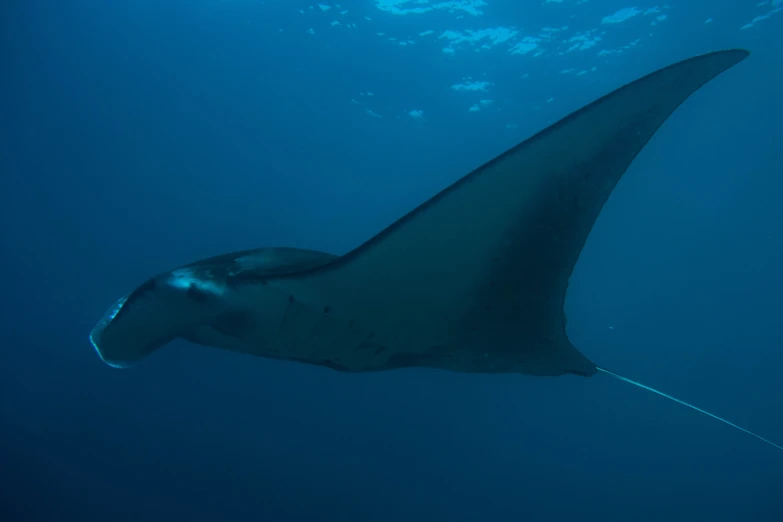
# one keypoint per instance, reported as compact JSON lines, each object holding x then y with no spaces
{"x":473,"y":280}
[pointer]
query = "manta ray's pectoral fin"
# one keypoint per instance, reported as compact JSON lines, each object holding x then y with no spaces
{"x":475,"y":278}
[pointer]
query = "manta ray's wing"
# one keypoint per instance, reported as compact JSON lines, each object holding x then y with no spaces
{"x":475,"y":278}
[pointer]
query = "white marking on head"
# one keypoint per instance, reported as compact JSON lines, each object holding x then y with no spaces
{"x":187,"y":278}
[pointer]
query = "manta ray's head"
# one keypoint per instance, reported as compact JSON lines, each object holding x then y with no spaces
{"x":164,"y":308}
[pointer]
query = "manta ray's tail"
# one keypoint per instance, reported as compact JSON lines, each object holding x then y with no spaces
{"x":691,"y":406}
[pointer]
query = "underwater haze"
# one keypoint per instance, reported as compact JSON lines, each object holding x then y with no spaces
{"x":137,"y":136}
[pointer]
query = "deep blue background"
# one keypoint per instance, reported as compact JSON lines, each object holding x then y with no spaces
{"x":137,"y":136}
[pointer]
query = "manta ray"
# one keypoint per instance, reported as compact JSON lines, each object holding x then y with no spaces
{"x":472,"y":280}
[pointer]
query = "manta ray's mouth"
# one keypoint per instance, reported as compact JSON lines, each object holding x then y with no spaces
{"x":96,"y":334}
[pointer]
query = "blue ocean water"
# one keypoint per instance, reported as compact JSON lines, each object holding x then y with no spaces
{"x":138,"y":136}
